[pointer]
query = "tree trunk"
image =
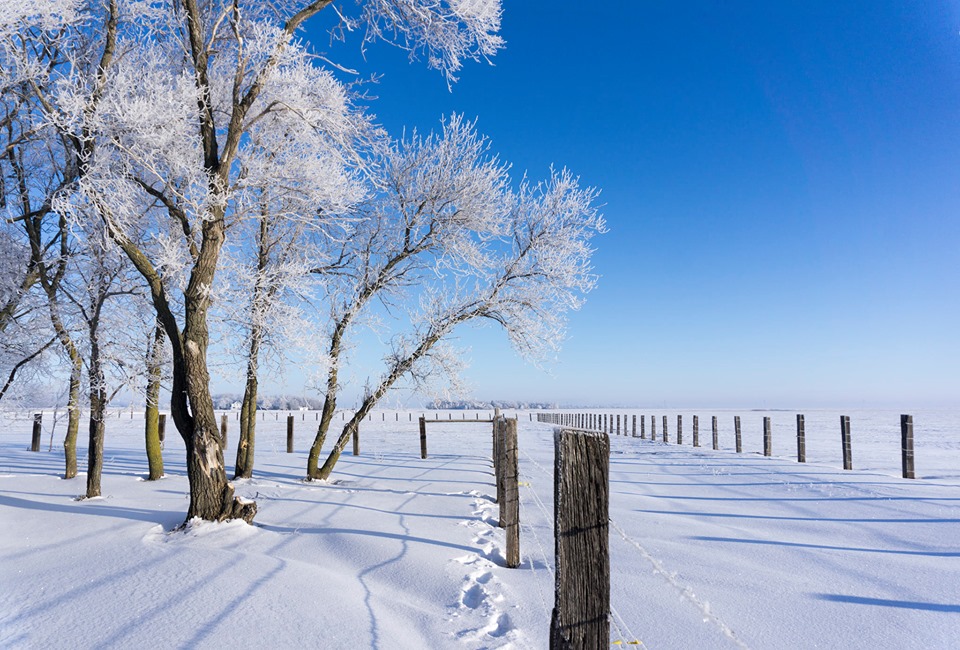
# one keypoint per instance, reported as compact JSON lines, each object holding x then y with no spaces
{"x":248,"y":423}
{"x":73,"y":423}
{"x":98,"y":402}
{"x":152,"y":415}
{"x":326,"y":416}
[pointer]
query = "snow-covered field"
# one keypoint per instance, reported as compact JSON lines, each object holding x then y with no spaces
{"x":709,"y":549}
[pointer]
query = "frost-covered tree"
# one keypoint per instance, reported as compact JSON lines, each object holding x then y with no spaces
{"x":449,"y":242}
{"x":175,"y":123}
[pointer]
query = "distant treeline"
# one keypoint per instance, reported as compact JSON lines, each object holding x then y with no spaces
{"x":466,"y":404}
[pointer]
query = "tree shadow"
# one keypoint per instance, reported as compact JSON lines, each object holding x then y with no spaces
{"x":825,"y":547}
{"x":883,"y":602}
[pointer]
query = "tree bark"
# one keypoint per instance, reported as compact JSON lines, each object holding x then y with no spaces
{"x":152,"y":427}
{"x":248,"y":421}
{"x":98,"y":402}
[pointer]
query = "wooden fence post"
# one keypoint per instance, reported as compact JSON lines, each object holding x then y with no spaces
{"x":289,"y":434}
{"x":767,"y":438}
{"x":716,"y":437}
{"x":845,"y":440}
{"x":696,"y":431}
{"x":423,"y":437}
{"x":223,"y":430}
{"x":356,"y":440}
{"x":634,"y":426}
{"x":581,"y":609}
{"x":679,"y":429}
{"x":666,"y":434}
{"x":736,"y":433}
{"x":653,"y":427}
{"x":643,"y":426}
{"x":510,"y":506}
{"x":37,"y":430}
{"x":801,"y":440}
{"x":906,"y":445}
{"x":162,"y":428}
{"x":618,"y":424}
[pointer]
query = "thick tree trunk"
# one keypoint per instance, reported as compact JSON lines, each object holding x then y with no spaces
{"x":152,"y":415}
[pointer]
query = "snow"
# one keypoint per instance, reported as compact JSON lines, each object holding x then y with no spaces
{"x":709,"y":549}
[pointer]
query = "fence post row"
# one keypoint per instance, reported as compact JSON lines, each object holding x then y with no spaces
{"x":906,"y":445}
{"x":801,"y":440}
{"x":581,"y":515}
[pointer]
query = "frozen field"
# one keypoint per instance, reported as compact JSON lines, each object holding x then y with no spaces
{"x":709,"y":549}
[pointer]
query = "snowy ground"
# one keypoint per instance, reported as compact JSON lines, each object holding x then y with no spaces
{"x":709,"y":549}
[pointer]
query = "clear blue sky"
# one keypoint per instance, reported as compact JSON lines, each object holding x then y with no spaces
{"x":781,"y":184}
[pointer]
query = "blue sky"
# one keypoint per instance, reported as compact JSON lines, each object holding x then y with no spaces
{"x":780,"y":182}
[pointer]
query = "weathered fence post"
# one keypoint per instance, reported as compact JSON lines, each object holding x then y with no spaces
{"x":510,"y":506}
{"x":906,"y":445}
{"x":679,"y":429}
{"x":223,"y":430}
{"x":162,"y":428}
{"x":696,"y":431}
{"x":643,"y":426}
{"x":845,"y":440}
{"x":767,"y":438}
{"x":289,"y":434}
{"x":356,"y":440}
{"x":716,"y":437}
{"x":736,"y":433}
{"x":666,"y":434}
{"x":801,"y":440}
{"x":581,"y":515}
{"x":618,"y":424}
{"x":653,"y":428}
{"x":423,"y":437}
{"x":37,"y":430}
{"x":634,"y":426}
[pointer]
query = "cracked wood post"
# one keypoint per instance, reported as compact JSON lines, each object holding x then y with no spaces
{"x":356,"y":440}
{"x":581,"y":609}
{"x":289,"y":434}
{"x":767,"y":438}
{"x":845,"y":440}
{"x":679,"y":429}
{"x":498,"y":445}
{"x":716,"y":437}
{"x":634,"y":426}
{"x":510,"y":507}
{"x":696,"y":431}
{"x":643,"y":433}
{"x":666,"y":433}
{"x":162,"y":428}
{"x":223,"y":430}
{"x":423,"y":437}
{"x":736,"y":433}
{"x":801,"y":440}
{"x":37,"y":428}
{"x":906,"y":445}
{"x":653,"y":427}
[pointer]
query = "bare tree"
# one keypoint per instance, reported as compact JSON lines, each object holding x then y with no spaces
{"x":450,"y":242}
